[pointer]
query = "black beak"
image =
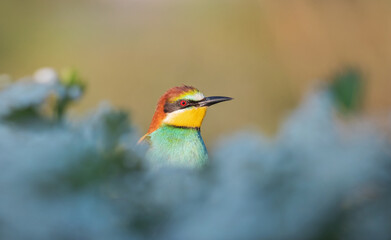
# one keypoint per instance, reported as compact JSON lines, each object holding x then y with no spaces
{"x":209,"y":101}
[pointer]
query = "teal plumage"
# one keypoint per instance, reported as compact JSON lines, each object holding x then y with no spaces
{"x":175,"y":146}
{"x":174,"y":134}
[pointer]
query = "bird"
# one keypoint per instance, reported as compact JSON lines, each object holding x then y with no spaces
{"x":174,"y":135}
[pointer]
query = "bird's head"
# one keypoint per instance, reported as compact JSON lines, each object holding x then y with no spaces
{"x":182,"y":106}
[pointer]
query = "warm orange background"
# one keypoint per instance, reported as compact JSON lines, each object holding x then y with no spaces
{"x":264,"y":53}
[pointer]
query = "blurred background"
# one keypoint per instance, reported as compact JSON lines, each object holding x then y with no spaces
{"x":263,"y":53}
{"x":316,"y":71}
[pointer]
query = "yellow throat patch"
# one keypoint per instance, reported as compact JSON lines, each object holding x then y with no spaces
{"x":188,"y":117}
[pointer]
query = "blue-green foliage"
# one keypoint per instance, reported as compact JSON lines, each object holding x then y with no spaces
{"x":320,"y":178}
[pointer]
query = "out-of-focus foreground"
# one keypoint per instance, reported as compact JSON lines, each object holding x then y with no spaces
{"x":264,"y":53}
{"x":325,"y":174}
{"x":321,"y":178}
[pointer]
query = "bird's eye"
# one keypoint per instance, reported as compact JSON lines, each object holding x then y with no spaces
{"x":183,"y":103}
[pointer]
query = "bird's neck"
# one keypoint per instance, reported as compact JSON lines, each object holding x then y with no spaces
{"x":179,"y":146}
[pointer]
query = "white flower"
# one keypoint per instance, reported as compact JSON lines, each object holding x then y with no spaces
{"x":46,"y":76}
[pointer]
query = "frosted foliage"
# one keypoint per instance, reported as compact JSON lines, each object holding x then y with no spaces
{"x":26,"y":93}
{"x":320,"y":178}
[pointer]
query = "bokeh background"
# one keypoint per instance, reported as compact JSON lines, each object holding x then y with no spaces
{"x":264,"y":53}
{"x":311,"y":77}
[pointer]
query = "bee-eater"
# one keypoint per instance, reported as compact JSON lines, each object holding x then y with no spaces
{"x":174,"y":134}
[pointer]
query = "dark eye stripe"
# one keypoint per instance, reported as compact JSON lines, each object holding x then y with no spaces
{"x":171,"y":107}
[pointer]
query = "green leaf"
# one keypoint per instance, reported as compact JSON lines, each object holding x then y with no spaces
{"x":347,"y":88}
